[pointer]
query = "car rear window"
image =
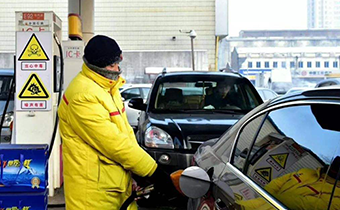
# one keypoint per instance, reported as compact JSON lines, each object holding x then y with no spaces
{"x":212,"y":93}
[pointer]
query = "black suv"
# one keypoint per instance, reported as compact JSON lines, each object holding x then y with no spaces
{"x":185,"y":109}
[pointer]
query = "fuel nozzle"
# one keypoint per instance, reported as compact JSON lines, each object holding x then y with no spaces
{"x":145,"y":191}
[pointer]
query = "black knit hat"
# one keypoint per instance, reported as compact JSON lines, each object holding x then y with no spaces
{"x":102,"y":51}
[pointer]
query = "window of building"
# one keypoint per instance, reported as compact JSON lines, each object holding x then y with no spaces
{"x":335,"y":64}
{"x":283,"y":64}
{"x":250,"y":64}
{"x":326,"y":63}
{"x":258,"y":64}
{"x":274,"y":64}
{"x":317,"y":64}
{"x":292,"y":64}
{"x":309,"y":64}
{"x":300,"y":64}
{"x":266,"y":64}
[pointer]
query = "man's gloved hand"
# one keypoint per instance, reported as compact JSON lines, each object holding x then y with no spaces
{"x":160,"y":179}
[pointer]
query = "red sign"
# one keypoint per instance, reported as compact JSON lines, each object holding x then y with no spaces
{"x":33,"y":16}
{"x":33,"y":66}
{"x":33,"y":104}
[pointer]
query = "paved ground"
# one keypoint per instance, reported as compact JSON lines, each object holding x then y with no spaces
{"x":59,"y":199}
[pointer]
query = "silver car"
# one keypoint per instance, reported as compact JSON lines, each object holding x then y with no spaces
{"x":129,"y":91}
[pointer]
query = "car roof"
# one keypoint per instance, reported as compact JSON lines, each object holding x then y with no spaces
{"x":335,"y":80}
{"x":6,"y":72}
{"x":207,"y":73}
{"x":330,"y":92}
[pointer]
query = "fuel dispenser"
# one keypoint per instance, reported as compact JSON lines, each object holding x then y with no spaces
{"x":35,"y":140}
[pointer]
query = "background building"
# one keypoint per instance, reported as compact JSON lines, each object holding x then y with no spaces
{"x":309,"y":54}
{"x":323,"y":14}
{"x":148,"y":31}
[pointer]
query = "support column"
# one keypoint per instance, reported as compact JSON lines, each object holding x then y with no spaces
{"x":87,"y":16}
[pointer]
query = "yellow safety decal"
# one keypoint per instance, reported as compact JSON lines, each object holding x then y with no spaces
{"x":34,"y":89}
{"x":280,"y":159}
{"x":265,"y":173}
{"x":33,"y":50}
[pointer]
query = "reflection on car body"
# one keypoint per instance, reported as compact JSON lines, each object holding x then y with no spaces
{"x":285,"y":154}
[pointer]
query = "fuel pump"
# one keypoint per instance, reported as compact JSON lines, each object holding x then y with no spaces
{"x":39,"y":79}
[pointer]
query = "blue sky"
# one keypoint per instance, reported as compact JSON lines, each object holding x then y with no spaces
{"x":266,"y":15}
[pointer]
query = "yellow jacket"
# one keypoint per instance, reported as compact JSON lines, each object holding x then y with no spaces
{"x":305,"y":189}
{"x":99,"y":146}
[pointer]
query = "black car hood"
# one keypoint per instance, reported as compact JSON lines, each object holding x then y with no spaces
{"x":194,"y":128}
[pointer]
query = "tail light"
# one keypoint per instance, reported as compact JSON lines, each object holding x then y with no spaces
{"x":11,"y":126}
{"x":175,"y":180}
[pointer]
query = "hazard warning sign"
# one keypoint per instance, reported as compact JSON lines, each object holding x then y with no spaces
{"x":265,"y":173}
{"x":33,"y":50}
{"x":34,"y":89}
{"x":34,"y":71}
{"x":280,"y":159}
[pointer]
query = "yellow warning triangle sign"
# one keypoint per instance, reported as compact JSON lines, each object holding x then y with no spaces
{"x":33,"y":50}
{"x":238,"y":196}
{"x":265,"y":173}
{"x":34,"y":89}
{"x":280,"y":159}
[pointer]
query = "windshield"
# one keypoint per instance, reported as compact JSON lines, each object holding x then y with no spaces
{"x":5,"y":86}
{"x":227,"y":94}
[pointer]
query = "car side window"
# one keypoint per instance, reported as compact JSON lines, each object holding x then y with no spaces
{"x":251,"y":97}
{"x":131,"y":93}
{"x":246,"y":137}
{"x":292,"y":153}
{"x":145,"y":92}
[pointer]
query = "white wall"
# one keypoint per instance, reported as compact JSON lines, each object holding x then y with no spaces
{"x":7,"y":17}
{"x":151,"y":24}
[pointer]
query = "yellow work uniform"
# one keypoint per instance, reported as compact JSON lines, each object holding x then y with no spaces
{"x":305,"y":189}
{"x":99,"y":145}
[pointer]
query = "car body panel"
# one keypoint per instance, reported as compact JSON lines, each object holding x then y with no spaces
{"x":218,"y":154}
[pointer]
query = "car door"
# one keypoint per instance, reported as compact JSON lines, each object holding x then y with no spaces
{"x":281,"y":159}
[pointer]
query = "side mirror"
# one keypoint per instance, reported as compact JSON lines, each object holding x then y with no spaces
{"x":123,"y":99}
{"x":194,"y":182}
{"x":137,"y":103}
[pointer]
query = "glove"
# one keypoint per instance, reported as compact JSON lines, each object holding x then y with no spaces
{"x":160,"y":179}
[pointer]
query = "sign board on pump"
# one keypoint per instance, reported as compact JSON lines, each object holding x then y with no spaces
{"x":34,"y":71}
